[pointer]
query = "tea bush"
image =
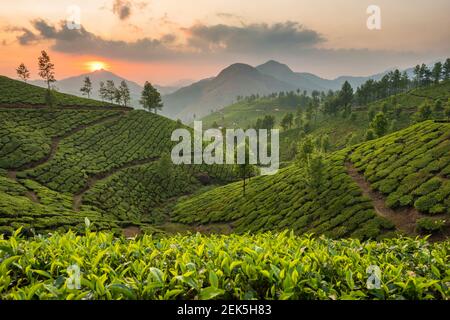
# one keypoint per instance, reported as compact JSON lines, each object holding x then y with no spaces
{"x":409,"y":166}
{"x":264,"y":266}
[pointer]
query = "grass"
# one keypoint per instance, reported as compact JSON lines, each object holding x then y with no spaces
{"x":264,"y":266}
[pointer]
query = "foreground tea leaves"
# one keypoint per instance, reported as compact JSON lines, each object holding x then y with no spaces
{"x":264,"y":266}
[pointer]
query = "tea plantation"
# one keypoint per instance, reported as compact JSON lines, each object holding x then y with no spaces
{"x":264,"y":266}
{"x":61,"y":165}
{"x":286,"y":201}
{"x":14,"y":92}
{"x":411,"y":167}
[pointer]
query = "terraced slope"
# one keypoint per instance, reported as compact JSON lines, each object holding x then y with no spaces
{"x":29,"y":135}
{"x":62,"y":165}
{"x":411,"y":166}
{"x":286,"y":201}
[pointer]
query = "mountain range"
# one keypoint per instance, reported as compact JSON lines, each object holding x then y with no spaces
{"x":208,"y":95}
{"x":201,"y":98}
{"x":72,"y":85}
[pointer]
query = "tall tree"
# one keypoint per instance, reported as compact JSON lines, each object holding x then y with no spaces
{"x":102,"y":91}
{"x":287,"y":121}
{"x":425,"y":111}
{"x":151,"y":98}
{"x":23,"y":72}
{"x":426,"y":75}
{"x":110,"y":92}
{"x":117,"y":96}
{"x":346,"y":94}
{"x":124,"y":92}
{"x":380,"y":124}
{"x":446,"y":70}
{"x":437,"y":72}
{"x":86,"y":89}
{"x":46,"y":69}
{"x":417,"y":75}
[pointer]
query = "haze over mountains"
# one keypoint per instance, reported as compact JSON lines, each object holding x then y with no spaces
{"x":205,"y":96}
{"x":200,"y":98}
{"x":72,"y":85}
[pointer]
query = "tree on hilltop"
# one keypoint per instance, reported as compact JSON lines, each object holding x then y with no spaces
{"x":46,"y":69}
{"x":151,"y":98}
{"x":23,"y":72}
{"x":86,"y":89}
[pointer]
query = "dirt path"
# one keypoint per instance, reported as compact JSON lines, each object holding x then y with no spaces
{"x":92,"y":180}
{"x":56,"y":140}
{"x":404,"y":219}
{"x":131,"y":232}
{"x":12,"y":173}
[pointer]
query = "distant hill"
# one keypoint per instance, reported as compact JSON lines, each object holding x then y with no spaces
{"x":72,"y":85}
{"x":212,"y":94}
{"x":308,"y":81}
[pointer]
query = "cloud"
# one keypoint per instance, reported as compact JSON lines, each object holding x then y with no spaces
{"x":253,"y":38}
{"x":220,"y":44}
{"x":81,"y":41}
{"x":122,"y":9}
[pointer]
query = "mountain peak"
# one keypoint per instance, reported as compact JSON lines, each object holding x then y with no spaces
{"x":274,"y":67}
{"x":236,"y":69}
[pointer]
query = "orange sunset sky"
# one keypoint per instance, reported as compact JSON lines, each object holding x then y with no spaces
{"x":169,"y":40}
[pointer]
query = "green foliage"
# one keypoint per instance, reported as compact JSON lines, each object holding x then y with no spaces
{"x":266,"y":266}
{"x":334,"y":206}
{"x":410,"y":166}
{"x":380,"y":124}
{"x":14,"y":92}
{"x":429,"y":225}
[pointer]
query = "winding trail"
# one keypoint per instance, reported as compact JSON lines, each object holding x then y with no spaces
{"x":92,"y":180}
{"x":404,"y":218}
{"x":12,"y":173}
{"x":56,"y":140}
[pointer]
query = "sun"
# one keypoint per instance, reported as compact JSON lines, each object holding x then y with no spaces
{"x":96,"y":65}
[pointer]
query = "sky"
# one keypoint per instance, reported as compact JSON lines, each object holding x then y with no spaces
{"x":168,"y":41}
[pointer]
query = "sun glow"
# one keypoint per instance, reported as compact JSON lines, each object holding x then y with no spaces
{"x":96,"y":65}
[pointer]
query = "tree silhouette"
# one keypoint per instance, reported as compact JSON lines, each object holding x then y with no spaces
{"x":151,"y":98}
{"x":46,"y":69}
{"x":86,"y":89}
{"x":23,"y":73}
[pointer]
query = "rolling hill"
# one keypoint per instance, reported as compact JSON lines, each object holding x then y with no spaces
{"x":79,"y":183}
{"x":72,"y":85}
{"x":58,"y":164}
{"x":205,"y":96}
{"x":208,"y":95}
{"x":410,"y":168}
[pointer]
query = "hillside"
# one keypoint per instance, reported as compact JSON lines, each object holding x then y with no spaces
{"x":246,"y":112}
{"x":72,"y":85}
{"x":410,"y":167}
{"x":212,"y":94}
{"x":308,"y":81}
{"x":15,"y":93}
{"x":208,"y":95}
{"x":59,"y":166}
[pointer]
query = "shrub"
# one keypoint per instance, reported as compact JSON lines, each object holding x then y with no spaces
{"x":430,"y":225}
